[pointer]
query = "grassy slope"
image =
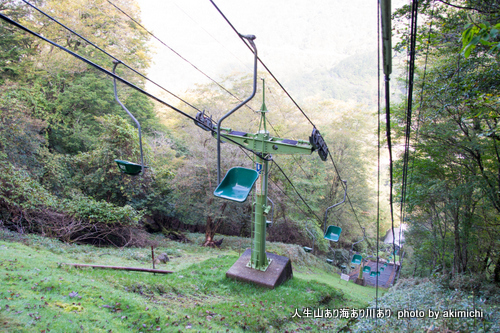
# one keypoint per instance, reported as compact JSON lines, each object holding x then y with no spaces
{"x":37,"y":293}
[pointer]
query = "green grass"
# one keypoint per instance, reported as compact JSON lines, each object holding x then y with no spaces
{"x":355,"y":293}
{"x":38,"y":293}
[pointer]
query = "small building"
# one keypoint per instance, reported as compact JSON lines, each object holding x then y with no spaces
{"x":400,"y":236}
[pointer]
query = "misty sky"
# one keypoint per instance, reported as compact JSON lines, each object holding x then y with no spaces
{"x":292,"y":36}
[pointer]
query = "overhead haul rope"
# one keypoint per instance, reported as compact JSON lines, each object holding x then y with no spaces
{"x":109,"y":55}
{"x":284,"y":174}
{"x":105,"y":71}
{"x":261,"y":62}
{"x":286,"y":92}
{"x":178,"y":54}
{"x":378,"y":147}
{"x":403,"y":211}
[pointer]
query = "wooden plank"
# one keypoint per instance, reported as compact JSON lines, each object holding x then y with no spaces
{"x":137,"y":269}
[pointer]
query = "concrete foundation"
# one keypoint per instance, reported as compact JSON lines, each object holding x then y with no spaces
{"x":278,"y":271}
{"x":361,"y":282}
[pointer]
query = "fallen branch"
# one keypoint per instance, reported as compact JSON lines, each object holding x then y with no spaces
{"x":137,"y":269}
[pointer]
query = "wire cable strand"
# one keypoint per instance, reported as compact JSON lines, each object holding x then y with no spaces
{"x":108,"y":54}
{"x":286,"y":92}
{"x":300,"y":196}
{"x":174,"y":51}
{"x":105,"y":71}
{"x":262,"y":63}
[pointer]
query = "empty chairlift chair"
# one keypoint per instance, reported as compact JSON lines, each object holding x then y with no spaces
{"x":357,"y":258}
{"x":238,"y":181}
{"x":127,"y":167}
{"x":310,"y":249}
{"x":332,"y":233}
{"x":367,"y":269}
{"x":237,"y":184}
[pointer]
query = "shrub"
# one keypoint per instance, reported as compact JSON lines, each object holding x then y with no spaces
{"x":26,"y":206}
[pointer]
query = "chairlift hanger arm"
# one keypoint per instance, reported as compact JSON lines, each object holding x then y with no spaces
{"x":345,"y":193}
{"x":385,"y":12}
{"x":250,"y":39}
{"x":116,"y":62}
{"x":364,"y":235}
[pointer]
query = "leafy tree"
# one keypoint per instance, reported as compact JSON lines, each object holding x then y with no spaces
{"x":453,"y":190}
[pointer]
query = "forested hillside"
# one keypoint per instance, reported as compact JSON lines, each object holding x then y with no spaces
{"x":452,"y":198}
{"x":63,"y":129}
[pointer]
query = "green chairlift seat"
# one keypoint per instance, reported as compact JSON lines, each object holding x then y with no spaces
{"x":129,"y":168}
{"x":356,"y":259}
{"x":382,"y":269}
{"x":385,"y":265}
{"x":333,"y":233}
{"x":307,"y":249}
{"x":367,"y":269}
{"x":237,"y":184}
{"x":343,"y":266}
{"x":374,"y":273}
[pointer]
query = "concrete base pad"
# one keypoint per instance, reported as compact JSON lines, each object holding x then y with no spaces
{"x":278,"y":271}
{"x":361,"y":282}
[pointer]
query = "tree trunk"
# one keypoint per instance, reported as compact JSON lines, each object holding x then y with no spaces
{"x":212,"y":226}
{"x":496,"y":272}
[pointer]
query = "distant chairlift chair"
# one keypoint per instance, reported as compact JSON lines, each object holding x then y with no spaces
{"x":333,"y":232}
{"x":309,"y":249}
{"x":127,"y":167}
{"x":357,"y":258}
{"x":269,"y":223}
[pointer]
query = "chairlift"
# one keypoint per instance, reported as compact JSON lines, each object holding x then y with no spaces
{"x":382,"y":269}
{"x":357,"y":258}
{"x":374,"y":273}
{"x":330,"y":261}
{"x":238,"y":181}
{"x":310,"y":249}
{"x":333,"y":231}
{"x":127,"y":167}
{"x":367,"y":269}
{"x":269,"y":223}
{"x":237,"y":184}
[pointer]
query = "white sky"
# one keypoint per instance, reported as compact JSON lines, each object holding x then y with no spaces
{"x":292,"y":36}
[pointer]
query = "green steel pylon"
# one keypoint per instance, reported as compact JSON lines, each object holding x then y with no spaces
{"x":261,"y":142}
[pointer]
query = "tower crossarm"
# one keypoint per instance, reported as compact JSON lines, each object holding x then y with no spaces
{"x":266,"y":144}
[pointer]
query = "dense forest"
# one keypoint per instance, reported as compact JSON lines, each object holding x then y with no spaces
{"x":62,"y":129}
{"x":453,"y":191}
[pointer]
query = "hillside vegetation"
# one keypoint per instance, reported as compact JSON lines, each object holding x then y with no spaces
{"x":61,"y":130}
{"x":40,"y":293}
